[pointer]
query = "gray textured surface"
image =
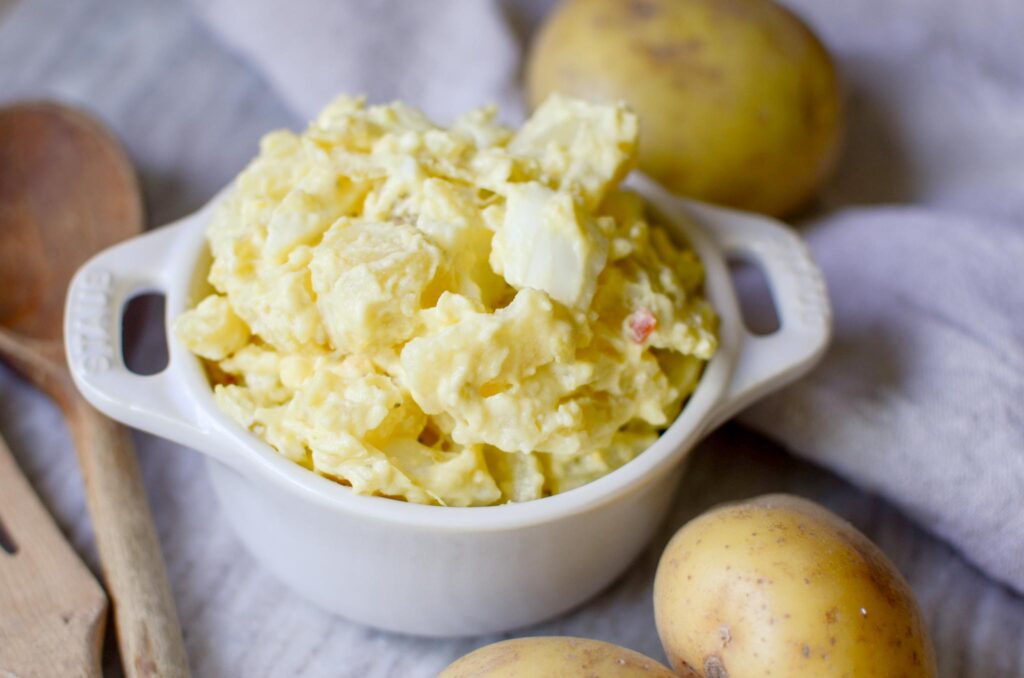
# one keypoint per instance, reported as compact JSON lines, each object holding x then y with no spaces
{"x":190,"y":114}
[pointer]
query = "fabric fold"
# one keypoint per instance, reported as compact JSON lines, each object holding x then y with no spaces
{"x":919,"y":396}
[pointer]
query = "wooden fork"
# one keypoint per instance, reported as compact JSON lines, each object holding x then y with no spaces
{"x":52,"y":609}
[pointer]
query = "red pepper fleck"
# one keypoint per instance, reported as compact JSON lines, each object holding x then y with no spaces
{"x":641,"y":322}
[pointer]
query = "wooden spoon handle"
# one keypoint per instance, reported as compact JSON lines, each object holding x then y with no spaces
{"x":147,"y":625}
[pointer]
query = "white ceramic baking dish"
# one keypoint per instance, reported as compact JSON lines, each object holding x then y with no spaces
{"x":429,"y":570}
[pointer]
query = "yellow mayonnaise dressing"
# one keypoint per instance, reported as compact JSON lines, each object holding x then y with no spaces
{"x":461,"y":316}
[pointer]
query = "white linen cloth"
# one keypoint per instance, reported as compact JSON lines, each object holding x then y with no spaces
{"x":921,"y":398}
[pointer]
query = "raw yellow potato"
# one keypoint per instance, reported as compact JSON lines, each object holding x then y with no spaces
{"x":555,"y":657}
{"x":778,"y":586}
{"x":738,"y":101}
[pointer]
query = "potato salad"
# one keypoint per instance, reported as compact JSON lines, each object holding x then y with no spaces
{"x":462,"y":316}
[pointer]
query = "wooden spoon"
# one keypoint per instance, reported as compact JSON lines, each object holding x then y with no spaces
{"x":67,"y":190}
{"x":54,"y":610}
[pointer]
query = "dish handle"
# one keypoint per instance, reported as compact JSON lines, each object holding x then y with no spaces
{"x":95,"y":303}
{"x":767,"y":362}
